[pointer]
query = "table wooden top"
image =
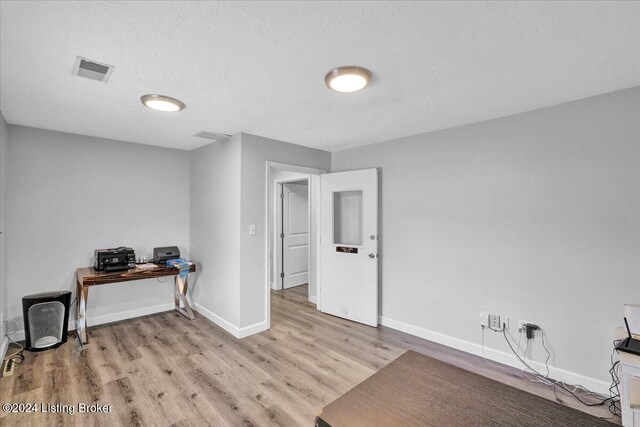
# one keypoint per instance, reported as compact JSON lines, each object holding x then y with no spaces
{"x":88,"y":276}
{"x":417,"y":390}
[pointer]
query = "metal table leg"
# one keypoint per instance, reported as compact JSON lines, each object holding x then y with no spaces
{"x":180,"y":296}
{"x":82,"y":295}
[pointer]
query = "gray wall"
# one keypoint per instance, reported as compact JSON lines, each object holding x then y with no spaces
{"x":228,"y":184}
{"x":215,"y":224}
{"x":4,"y":138}
{"x":534,"y":216}
{"x":69,"y":194}
{"x":256,"y":151}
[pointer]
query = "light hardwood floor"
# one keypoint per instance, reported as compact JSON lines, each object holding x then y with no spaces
{"x":163,"y":369}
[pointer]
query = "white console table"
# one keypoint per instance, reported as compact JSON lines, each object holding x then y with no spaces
{"x":629,"y":386}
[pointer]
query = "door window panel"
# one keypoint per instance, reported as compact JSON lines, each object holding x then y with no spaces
{"x":347,"y":218}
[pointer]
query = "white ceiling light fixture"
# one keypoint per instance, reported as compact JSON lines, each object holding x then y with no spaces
{"x":162,"y":103}
{"x":350,"y":78}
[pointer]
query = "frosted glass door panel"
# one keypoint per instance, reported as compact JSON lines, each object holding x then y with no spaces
{"x":347,"y":218}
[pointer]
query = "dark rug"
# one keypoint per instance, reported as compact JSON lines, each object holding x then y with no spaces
{"x":417,"y":390}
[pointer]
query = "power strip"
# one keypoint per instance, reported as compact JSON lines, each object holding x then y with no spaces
{"x":8,"y":368}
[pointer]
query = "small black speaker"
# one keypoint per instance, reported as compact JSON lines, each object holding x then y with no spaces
{"x":46,"y":319}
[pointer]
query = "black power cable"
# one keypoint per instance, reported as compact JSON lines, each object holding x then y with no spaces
{"x":614,"y":390}
{"x":555,"y":383}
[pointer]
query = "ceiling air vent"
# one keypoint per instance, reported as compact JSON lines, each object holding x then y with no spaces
{"x":214,"y":136}
{"x":92,"y":70}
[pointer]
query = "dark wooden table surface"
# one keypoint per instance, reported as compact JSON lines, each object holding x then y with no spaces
{"x":88,"y":276}
{"x":417,"y":390}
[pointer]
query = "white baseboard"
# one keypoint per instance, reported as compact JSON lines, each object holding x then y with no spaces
{"x":111,"y":317}
{"x":230,"y":327}
{"x":313,"y":299}
{"x":129,"y":314}
{"x":505,"y":358}
{"x":252,"y":329}
{"x":220,"y":321}
{"x":3,"y":347}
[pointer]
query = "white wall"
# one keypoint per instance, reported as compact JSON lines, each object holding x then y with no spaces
{"x":256,"y":151}
{"x":70,"y":194}
{"x":534,"y":216}
{"x":215,"y":225}
{"x":4,"y":138}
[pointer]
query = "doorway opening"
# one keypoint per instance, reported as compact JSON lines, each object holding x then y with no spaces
{"x":292,"y":229}
{"x":292,"y":232}
{"x":343,"y":252}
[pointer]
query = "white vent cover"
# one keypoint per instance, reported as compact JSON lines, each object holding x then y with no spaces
{"x":214,"y":136}
{"x":92,"y":70}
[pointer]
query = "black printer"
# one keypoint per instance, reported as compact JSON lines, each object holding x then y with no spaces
{"x":162,"y":255}
{"x":115,"y":259}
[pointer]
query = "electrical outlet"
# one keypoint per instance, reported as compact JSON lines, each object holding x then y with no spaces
{"x":494,"y":321}
{"x":521,"y":325}
{"x":484,"y":318}
{"x":505,"y":322}
{"x":523,"y":329}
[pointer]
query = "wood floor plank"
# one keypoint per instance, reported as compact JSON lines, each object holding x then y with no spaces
{"x":55,"y":391}
{"x":158,"y":395}
{"x":28,"y":377}
{"x":172,"y":375}
{"x":212,"y":382}
{"x":25,"y":418}
{"x":131,"y":411}
{"x":164,"y":369}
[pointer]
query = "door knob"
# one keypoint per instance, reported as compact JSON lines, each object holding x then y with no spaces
{"x":371,"y":255}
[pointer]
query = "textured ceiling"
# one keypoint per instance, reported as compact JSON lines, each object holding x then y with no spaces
{"x":259,"y":67}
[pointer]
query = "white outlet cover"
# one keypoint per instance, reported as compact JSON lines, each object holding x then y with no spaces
{"x":494,"y":321}
{"x":484,"y":318}
{"x":505,"y":321}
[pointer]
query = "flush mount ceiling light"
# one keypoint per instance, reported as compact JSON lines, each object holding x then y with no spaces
{"x":348,"y":79}
{"x":162,"y":103}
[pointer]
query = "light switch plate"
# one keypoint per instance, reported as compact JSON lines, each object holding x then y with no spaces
{"x":252,"y":230}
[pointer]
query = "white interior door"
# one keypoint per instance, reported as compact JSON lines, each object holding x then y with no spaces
{"x":349,"y":245}
{"x":295,"y":232}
